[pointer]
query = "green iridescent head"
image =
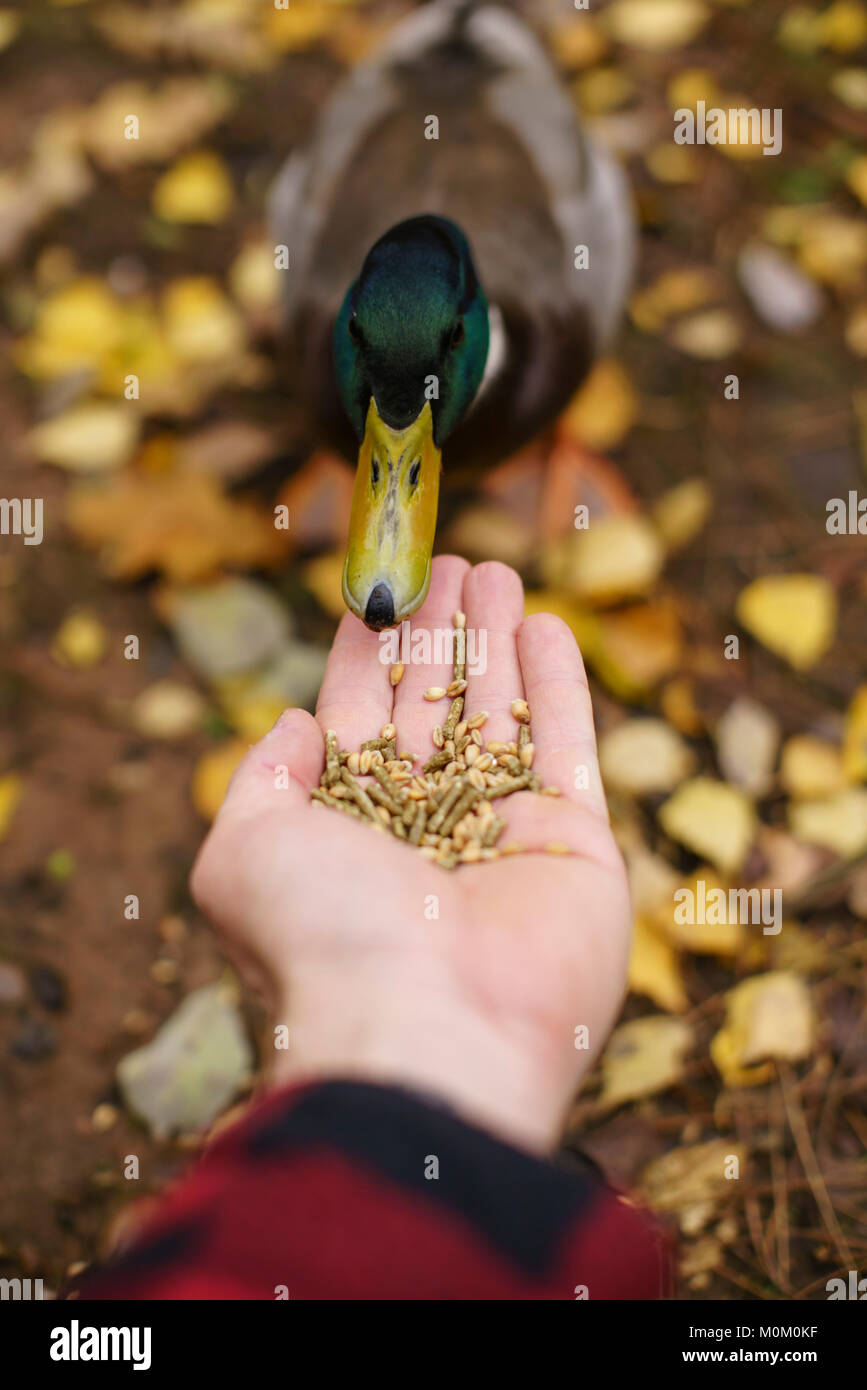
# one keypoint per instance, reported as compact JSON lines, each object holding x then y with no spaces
{"x":410,"y":347}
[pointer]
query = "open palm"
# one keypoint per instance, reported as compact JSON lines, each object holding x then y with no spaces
{"x":471,"y":982}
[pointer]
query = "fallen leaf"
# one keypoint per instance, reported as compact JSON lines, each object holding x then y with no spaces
{"x":681,"y":513}
{"x":811,"y":768}
{"x":747,"y":738}
{"x":698,"y":917}
{"x":604,"y":410}
{"x":195,"y":189}
{"x":834,"y":249}
{"x":656,"y":25}
{"x":654,"y":968}
{"x":212,"y":775}
{"x":652,"y":880}
{"x":89,"y":438}
{"x":855,"y":737}
{"x":201,"y":323}
{"x":712,"y":819}
{"x":710,"y":336}
{"x":616,"y":557}
{"x":80,"y":641}
{"x":700,"y":1174}
{"x":171,"y":117}
{"x":643,"y":756}
{"x":254,"y":278}
{"x":769,"y":1016}
{"x":194,"y":1066}
{"x":642,"y":1058}
{"x":672,"y":164}
{"x":181,"y":525}
{"x":167,"y":709}
{"x":323,"y":576}
{"x":11,"y":789}
{"x":674,"y":292}
{"x":677,"y":702}
{"x":635,"y":648}
{"x":839,"y":823}
{"x":849,"y":85}
{"x":603,"y":89}
{"x":577,"y":42}
{"x":793,"y":615}
{"x":843,"y":26}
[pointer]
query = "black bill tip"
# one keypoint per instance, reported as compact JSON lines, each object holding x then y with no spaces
{"x":379,"y":612}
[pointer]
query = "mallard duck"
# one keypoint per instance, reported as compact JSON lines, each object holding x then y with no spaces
{"x":436,"y":296}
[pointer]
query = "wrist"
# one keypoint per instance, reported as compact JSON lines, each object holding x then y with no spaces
{"x":414,"y":1034}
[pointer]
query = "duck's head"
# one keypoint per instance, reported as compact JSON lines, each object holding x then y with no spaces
{"x":410,"y":347}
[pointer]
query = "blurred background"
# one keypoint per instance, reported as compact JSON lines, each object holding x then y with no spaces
{"x":164,"y":621}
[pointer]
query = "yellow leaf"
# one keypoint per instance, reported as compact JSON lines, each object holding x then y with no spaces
{"x":636,"y":648}
{"x":674,"y":292}
{"x":849,"y":85}
{"x":643,"y":756}
{"x":11,"y":788}
{"x":618,"y":556}
{"x":603,"y":412}
{"x":656,"y":25}
{"x":856,"y":177}
{"x":673,"y":163}
{"x":681,"y":513}
{"x":654,"y":969}
{"x":212,"y":775}
{"x":603,"y":89}
{"x":577,"y":42}
{"x":677,"y":702}
{"x":324,"y":578}
{"x":767,"y":1017}
{"x":91,"y":437}
{"x":643,"y":1057}
{"x":300,"y":24}
{"x":167,"y":709}
{"x":254,"y":279}
{"x":10,"y":23}
{"x":250,"y":711}
{"x":200,"y":322}
{"x":839,"y":823}
{"x":710,"y":336}
{"x":855,"y":737}
{"x":700,"y":1173}
{"x":856,"y":331}
{"x":712,"y":819}
{"x":196,"y":189}
{"x":715,"y":928}
{"x":181,"y":524}
{"x":834,"y":249}
{"x":811,"y":768}
{"x":80,"y":641}
{"x":74,"y":328}
{"x":843,"y":26}
{"x":793,"y":615}
{"x":689,"y":87}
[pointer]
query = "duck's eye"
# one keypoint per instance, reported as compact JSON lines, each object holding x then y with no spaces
{"x":374,"y":472}
{"x":457,"y":333}
{"x":354,"y":330}
{"x":414,"y":473}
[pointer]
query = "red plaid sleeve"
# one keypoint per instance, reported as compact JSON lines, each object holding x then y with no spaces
{"x":345,"y":1190}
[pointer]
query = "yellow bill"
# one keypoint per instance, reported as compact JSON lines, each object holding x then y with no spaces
{"x":394,"y":513}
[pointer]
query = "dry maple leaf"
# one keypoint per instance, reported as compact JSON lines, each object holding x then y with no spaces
{"x":181,"y":525}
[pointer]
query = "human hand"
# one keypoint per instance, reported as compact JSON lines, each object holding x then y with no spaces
{"x":467,"y":983}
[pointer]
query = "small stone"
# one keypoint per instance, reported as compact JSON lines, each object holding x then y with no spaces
{"x":49,"y":987}
{"x":35,"y":1041}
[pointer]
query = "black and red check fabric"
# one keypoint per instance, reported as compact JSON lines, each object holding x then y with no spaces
{"x":347,"y":1190}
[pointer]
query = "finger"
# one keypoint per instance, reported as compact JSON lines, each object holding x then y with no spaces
{"x":561,"y":713}
{"x":558,"y":826}
{"x":356,"y":695}
{"x":280,"y":771}
{"x":414,"y":716}
{"x":494,"y":605}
